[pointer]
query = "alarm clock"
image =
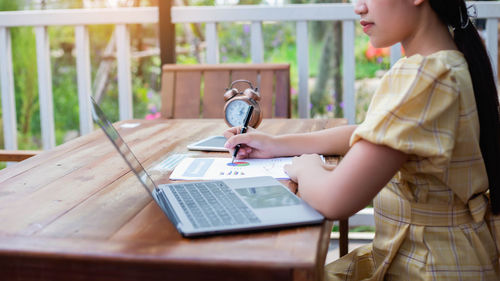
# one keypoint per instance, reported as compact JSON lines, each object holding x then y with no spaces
{"x":237,"y":104}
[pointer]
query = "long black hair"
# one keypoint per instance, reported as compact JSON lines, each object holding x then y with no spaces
{"x":454,"y":14}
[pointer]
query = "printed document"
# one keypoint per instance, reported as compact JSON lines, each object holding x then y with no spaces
{"x":222,"y":168}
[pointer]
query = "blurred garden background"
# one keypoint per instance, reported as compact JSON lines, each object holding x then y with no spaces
{"x":279,"y":47}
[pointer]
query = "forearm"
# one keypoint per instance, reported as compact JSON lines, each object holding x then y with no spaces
{"x":356,"y":180}
{"x":330,"y":192}
{"x":333,"y":141}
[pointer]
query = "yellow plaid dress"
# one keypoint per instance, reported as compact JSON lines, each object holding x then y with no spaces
{"x":432,"y":218}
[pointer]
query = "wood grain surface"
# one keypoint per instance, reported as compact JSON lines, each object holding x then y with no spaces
{"x":77,"y":212}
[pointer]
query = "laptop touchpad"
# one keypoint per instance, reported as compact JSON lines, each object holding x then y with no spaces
{"x":267,"y":196}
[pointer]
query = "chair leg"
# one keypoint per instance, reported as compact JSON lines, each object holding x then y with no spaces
{"x":343,"y":239}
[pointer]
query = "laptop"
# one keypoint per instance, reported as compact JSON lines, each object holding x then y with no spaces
{"x":221,"y":206}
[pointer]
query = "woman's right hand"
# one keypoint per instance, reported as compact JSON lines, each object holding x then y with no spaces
{"x":254,"y":144}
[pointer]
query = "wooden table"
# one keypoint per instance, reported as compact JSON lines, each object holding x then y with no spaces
{"x":77,"y":213}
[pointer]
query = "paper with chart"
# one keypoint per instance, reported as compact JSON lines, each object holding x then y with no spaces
{"x":222,"y":168}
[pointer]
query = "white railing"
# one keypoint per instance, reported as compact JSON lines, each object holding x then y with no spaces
{"x":80,"y":19}
{"x":257,"y":15}
{"x":301,"y":15}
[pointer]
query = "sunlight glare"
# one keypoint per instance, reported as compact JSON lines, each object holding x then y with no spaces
{"x":113,"y":3}
{"x":103,"y":3}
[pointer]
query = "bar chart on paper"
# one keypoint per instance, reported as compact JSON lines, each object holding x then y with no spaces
{"x":222,"y":168}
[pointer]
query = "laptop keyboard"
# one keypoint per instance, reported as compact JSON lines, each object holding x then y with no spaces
{"x":208,"y":204}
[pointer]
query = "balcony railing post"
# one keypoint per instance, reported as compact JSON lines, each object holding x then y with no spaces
{"x":83,"y":78}
{"x":45,"y":87}
{"x":7,"y":84}
{"x":303,"y":65}
{"x":256,"y":42}
{"x":124,"y":72}
{"x":349,"y":74}
{"x":395,"y":53}
{"x":492,"y":44}
{"x":212,"y":42}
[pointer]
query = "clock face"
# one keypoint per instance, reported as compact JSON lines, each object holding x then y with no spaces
{"x":235,"y":112}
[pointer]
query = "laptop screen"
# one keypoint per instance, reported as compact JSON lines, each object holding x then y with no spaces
{"x":122,"y":147}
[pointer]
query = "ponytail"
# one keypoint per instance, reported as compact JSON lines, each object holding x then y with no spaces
{"x":454,"y":14}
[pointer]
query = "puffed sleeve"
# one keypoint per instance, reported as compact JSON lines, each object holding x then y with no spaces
{"x":415,"y":110}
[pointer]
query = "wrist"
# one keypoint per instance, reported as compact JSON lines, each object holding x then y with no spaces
{"x":281,"y":146}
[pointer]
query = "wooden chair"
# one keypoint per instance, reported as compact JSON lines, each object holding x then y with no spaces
{"x":196,"y":91}
{"x":16,"y":155}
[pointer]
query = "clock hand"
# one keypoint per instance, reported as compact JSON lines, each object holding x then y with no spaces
{"x":243,"y":130}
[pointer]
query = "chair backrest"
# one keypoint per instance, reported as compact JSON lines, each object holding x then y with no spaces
{"x":16,"y":155}
{"x":196,"y":91}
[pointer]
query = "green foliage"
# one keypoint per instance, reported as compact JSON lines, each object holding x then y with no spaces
{"x":366,"y":68}
{"x":200,"y":2}
{"x":64,"y":87}
{"x":11,"y":5}
{"x":234,"y":41}
{"x":146,"y":87}
{"x":361,"y":228}
{"x":145,"y":81}
{"x":24,"y":67}
{"x":250,"y":2}
{"x":25,"y":76}
{"x":280,"y":46}
{"x":315,"y":48}
{"x":65,"y":97}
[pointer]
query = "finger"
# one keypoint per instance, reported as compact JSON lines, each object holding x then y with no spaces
{"x":230,"y":142}
{"x":329,"y":167}
{"x":245,"y":151}
{"x":242,"y":139}
{"x":248,"y":150}
{"x":242,"y":154}
{"x":231,"y":132}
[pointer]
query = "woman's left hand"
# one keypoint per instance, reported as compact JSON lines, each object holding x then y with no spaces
{"x":302,"y":164}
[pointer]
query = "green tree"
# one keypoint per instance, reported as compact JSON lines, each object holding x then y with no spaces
{"x":24,"y":68}
{"x":329,"y":78}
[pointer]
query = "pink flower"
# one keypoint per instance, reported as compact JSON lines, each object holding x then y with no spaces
{"x":153,"y":116}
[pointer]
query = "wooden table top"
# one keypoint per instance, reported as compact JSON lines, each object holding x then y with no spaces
{"x":78,"y":211}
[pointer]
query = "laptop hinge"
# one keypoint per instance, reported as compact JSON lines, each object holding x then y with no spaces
{"x":167,"y":208}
